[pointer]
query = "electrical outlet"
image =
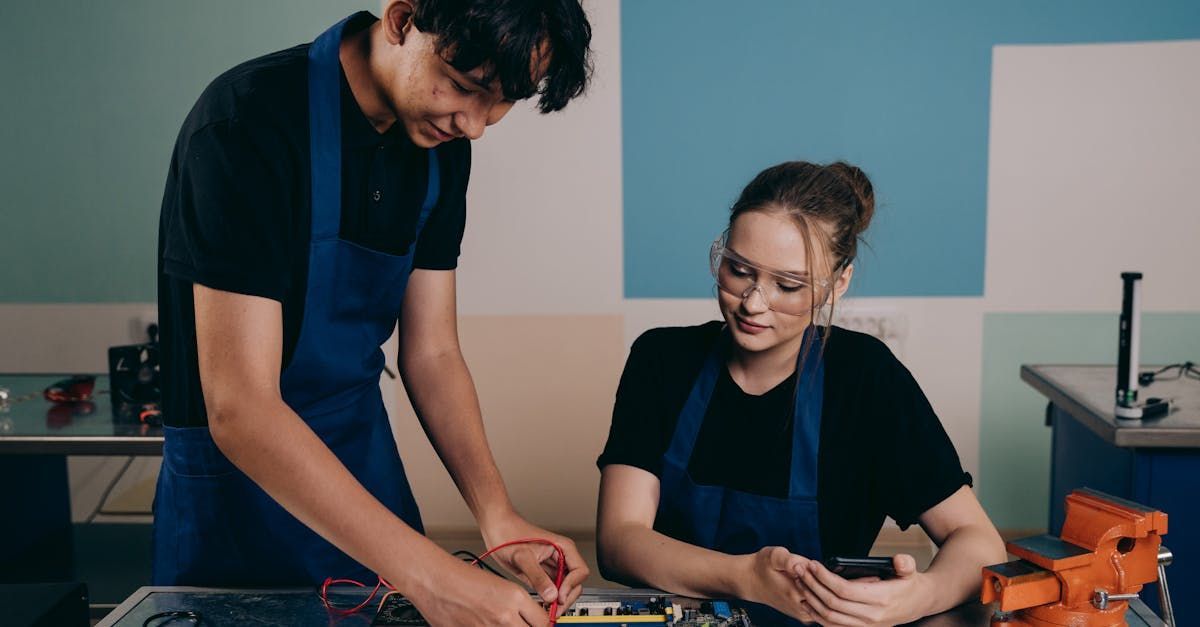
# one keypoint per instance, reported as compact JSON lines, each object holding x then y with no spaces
{"x":139,"y":322}
{"x":888,"y":325}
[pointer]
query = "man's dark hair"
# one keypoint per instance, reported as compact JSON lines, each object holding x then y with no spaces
{"x":508,"y":38}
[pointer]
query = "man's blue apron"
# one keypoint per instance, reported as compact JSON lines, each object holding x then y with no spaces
{"x":736,"y":522}
{"x":213,"y":526}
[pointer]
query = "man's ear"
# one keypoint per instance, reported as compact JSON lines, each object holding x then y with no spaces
{"x":397,"y":20}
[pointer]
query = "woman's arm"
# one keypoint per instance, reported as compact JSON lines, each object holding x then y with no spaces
{"x":967,"y":541}
{"x":628,"y":548}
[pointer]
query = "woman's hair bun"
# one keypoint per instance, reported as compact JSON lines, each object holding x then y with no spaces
{"x":864,"y":193}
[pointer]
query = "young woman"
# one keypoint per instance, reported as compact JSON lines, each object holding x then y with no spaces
{"x":744,"y":451}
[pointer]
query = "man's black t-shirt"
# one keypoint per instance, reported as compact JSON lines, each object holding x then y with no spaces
{"x":882,"y":450}
{"x":236,"y":214}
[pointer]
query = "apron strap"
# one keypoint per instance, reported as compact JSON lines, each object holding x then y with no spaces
{"x":806,"y":414}
{"x":806,"y":418}
{"x":325,"y":140}
{"x":687,"y":428}
{"x":325,"y":132}
{"x":433,"y":189}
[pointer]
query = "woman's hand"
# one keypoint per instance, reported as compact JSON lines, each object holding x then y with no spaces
{"x":770,"y":577}
{"x":837,"y":602}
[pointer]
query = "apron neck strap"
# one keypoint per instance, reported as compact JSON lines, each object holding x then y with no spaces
{"x":325,"y":131}
{"x":806,"y":411}
{"x":325,"y":138}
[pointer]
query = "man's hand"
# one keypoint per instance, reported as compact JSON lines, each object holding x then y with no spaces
{"x":838,"y":602}
{"x":536,"y":564}
{"x":770,"y":577}
{"x":452,"y":594}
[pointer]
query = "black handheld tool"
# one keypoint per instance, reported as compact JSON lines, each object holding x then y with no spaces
{"x":1128,"y":345}
{"x":1128,"y":351}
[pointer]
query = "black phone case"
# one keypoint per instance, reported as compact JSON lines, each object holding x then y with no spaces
{"x":857,"y":567}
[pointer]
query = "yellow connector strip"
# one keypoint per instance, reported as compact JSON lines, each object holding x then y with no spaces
{"x":592,"y":620}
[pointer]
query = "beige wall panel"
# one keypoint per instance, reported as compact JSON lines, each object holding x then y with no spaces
{"x":546,"y":385}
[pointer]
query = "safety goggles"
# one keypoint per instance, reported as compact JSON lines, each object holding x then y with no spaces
{"x":784,"y":292}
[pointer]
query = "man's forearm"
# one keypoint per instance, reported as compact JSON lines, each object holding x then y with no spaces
{"x":443,"y":395}
{"x":648,"y":557}
{"x":273,"y":446}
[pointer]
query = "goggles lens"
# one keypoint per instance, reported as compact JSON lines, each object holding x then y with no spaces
{"x":783,"y":292}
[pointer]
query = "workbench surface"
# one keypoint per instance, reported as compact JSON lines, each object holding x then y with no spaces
{"x":1088,"y":393}
{"x":29,"y":424}
{"x":302,"y":608}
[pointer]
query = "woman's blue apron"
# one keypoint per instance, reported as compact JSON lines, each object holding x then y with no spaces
{"x":734,"y":522}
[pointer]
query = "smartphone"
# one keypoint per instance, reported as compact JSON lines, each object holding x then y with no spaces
{"x":856,"y":567}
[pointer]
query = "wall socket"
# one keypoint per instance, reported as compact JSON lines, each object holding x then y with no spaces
{"x":888,"y":325}
{"x":138,"y":323}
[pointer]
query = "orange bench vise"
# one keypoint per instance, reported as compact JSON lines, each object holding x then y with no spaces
{"x":1109,"y":549}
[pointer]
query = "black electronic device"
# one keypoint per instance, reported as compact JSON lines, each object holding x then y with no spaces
{"x":858,"y":567}
{"x":1128,"y":351}
{"x":133,"y":378}
{"x":1128,"y":345}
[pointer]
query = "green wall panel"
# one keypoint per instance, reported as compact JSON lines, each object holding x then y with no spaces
{"x":94,"y":94}
{"x":1014,"y":456}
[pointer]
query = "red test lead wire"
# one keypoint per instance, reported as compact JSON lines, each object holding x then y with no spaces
{"x":346,"y":611}
{"x":558,"y":579}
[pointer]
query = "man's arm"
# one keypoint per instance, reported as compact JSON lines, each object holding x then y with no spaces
{"x":239,"y":340}
{"x":443,"y":395}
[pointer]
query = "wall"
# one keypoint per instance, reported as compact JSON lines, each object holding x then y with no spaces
{"x":1023,"y":154}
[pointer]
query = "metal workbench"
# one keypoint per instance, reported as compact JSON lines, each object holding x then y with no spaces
{"x":36,"y":436}
{"x":303,"y":608}
{"x":36,"y":426}
{"x":1153,"y":462}
{"x":1087,"y":393}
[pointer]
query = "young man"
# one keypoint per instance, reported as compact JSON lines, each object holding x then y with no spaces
{"x":316,"y":195}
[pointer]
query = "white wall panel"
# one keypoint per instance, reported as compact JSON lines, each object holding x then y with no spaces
{"x":544,"y":206}
{"x":1093,"y":162}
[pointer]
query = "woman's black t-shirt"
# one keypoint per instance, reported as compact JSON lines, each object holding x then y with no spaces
{"x":882,"y":451}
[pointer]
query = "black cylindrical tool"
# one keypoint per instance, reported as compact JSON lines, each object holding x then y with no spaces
{"x":1128,"y":345}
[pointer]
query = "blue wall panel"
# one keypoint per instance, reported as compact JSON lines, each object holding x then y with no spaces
{"x":713,"y":92}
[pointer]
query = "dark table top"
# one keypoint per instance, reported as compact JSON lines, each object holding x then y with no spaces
{"x":28,"y":603}
{"x":1088,"y":393}
{"x":30,"y":424}
{"x":302,"y":608}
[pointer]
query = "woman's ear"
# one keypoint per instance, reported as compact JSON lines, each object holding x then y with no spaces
{"x":843,"y":282}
